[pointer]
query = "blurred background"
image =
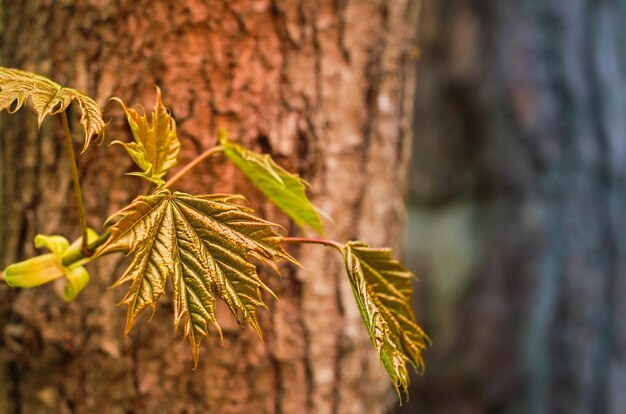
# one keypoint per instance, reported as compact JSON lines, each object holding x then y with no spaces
{"x":516,"y":208}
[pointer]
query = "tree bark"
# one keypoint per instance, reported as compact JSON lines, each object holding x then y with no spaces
{"x":518,"y":186}
{"x":325,"y":87}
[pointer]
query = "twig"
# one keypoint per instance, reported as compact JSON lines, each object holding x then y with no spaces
{"x":76,"y":180}
{"x":206,"y":154}
{"x":312,"y":240}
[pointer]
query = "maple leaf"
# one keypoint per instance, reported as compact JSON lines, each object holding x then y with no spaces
{"x":286,"y":190}
{"x":202,"y":243}
{"x":48,"y":98}
{"x":382,"y":289}
{"x":156,"y":145}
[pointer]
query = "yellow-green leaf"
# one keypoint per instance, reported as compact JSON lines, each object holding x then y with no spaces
{"x":203,"y":245}
{"x":286,"y":190}
{"x":382,"y":288}
{"x":156,"y":145}
{"x":48,"y":98}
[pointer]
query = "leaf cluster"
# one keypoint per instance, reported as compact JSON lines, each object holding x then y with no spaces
{"x":206,"y":246}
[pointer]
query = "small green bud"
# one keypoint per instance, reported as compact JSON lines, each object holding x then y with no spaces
{"x":48,"y":267}
{"x":34,"y":272}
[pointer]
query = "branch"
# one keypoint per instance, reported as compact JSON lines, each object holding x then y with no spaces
{"x":206,"y":154}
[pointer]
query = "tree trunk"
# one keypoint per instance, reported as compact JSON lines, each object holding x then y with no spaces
{"x":325,"y":87}
{"x":519,"y":190}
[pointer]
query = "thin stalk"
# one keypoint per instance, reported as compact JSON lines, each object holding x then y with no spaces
{"x":206,"y":154}
{"x":313,"y":240}
{"x":76,"y":180}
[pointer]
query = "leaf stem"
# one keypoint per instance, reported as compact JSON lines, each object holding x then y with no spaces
{"x":91,"y":247}
{"x":313,"y":240}
{"x":206,"y":154}
{"x":76,"y":180}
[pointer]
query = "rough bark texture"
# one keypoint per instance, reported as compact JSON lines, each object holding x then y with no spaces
{"x":326,"y":87}
{"x":518,"y":188}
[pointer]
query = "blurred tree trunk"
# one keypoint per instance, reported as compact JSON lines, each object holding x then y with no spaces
{"x":519,"y":195}
{"x":326,"y":87}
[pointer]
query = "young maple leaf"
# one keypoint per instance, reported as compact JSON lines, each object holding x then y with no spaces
{"x":382,"y":289}
{"x":48,"y":98}
{"x":202,"y":243}
{"x":156,"y":145}
{"x":286,"y":190}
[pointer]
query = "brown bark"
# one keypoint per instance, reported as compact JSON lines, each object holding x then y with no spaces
{"x":519,"y":175}
{"x":325,"y":87}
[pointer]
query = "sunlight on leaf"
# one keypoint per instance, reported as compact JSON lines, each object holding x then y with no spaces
{"x":286,"y":190}
{"x":48,"y":98}
{"x":382,"y":289}
{"x":203,"y":244}
{"x":156,"y":145}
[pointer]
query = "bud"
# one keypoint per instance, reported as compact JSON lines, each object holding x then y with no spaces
{"x":48,"y":267}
